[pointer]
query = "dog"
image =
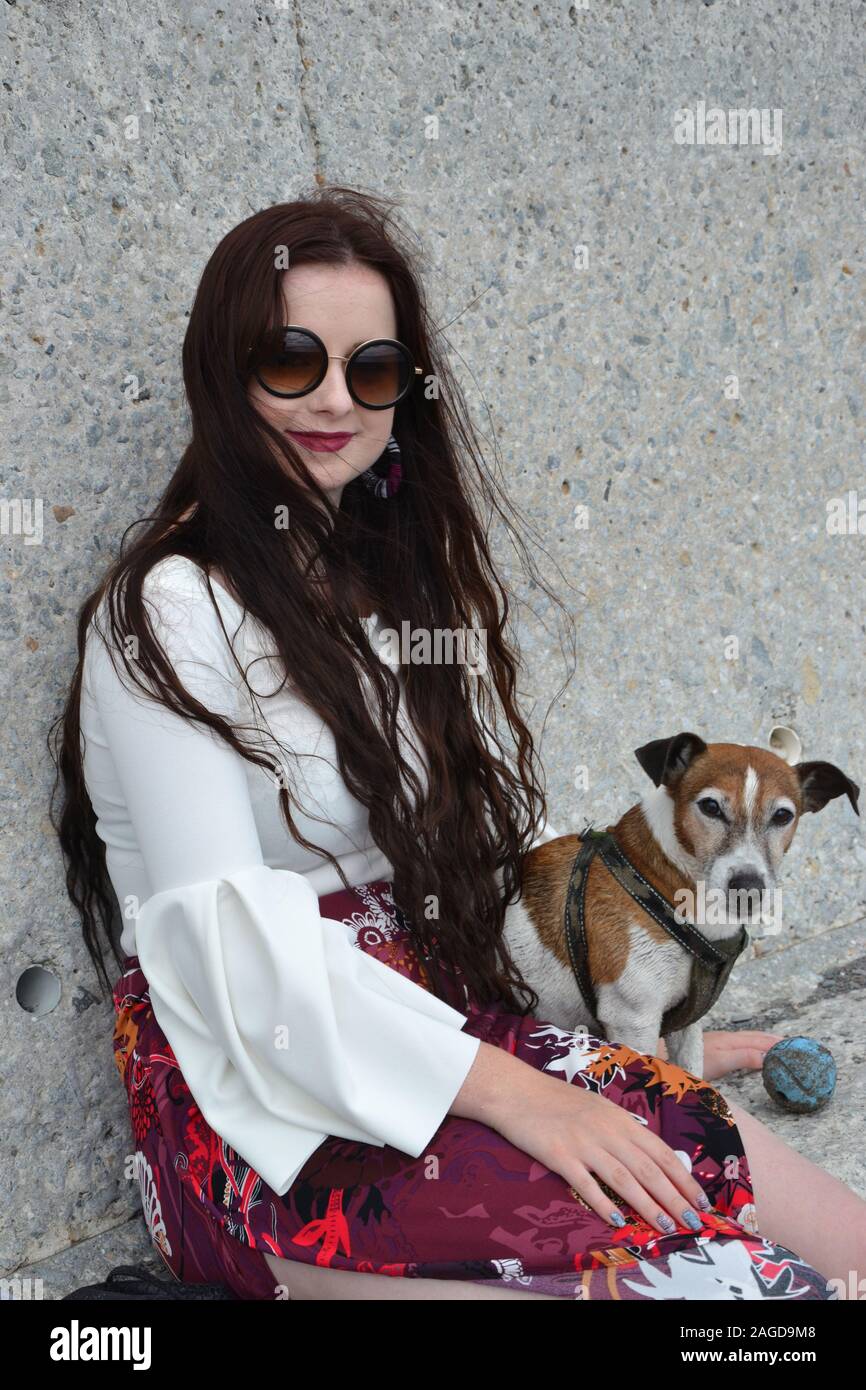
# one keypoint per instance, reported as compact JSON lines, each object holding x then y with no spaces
{"x":632,"y":932}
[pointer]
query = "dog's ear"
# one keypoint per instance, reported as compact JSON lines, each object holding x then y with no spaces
{"x":665,"y":759}
{"x":821,"y":782}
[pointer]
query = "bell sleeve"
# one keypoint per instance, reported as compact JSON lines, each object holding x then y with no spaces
{"x":285,"y":1031}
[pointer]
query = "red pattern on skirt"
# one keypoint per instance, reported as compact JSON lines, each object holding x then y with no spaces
{"x":473,"y":1207}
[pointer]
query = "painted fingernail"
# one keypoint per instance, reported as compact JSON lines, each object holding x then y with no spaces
{"x":704,"y":1202}
{"x":666,"y":1222}
{"x":617,"y":1218}
{"x":692,"y":1220}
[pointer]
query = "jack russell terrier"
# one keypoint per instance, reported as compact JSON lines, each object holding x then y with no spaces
{"x":616,"y":912}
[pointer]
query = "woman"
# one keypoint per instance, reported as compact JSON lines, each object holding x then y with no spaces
{"x":334,"y":1073}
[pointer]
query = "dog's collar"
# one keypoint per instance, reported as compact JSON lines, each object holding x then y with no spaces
{"x":713,"y":960}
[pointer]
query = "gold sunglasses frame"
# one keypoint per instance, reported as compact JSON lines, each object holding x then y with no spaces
{"x":335,"y":357}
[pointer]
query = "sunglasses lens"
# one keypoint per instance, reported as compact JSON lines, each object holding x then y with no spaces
{"x":288,"y":361}
{"x":380,"y":374}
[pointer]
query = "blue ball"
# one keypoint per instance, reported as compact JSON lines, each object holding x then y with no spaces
{"x":800,"y":1074}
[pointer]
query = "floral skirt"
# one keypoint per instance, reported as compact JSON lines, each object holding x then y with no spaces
{"x":473,"y":1207}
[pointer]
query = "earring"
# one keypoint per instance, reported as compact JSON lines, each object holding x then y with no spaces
{"x":385,"y":484}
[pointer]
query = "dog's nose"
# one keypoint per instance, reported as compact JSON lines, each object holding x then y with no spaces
{"x":747,"y":880}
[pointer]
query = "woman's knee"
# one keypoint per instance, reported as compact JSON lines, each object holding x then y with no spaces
{"x":746,"y":1269}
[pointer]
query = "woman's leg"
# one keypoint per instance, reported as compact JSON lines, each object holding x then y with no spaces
{"x":802,"y":1206}
{"x":797,"y":1204}
{"x":310,"y":1282}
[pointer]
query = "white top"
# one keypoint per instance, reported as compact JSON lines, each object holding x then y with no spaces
{"x":285,"y":1030}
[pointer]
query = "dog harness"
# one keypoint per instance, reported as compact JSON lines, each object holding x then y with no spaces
{"x":712,"y":960}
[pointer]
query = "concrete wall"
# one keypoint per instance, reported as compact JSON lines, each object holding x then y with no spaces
{"x":670,"y":334}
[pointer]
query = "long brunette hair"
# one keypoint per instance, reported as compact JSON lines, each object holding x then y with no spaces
{"x":420,"y":556}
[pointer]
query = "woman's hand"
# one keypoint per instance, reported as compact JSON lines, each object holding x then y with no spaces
{"x":727,"y":1051}
{"x":583,"y":1137}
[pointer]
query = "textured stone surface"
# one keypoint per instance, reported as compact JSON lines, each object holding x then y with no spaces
{"x":602,"y":386}
{"x":833,"y":1137}
{"x":90,"y":1262}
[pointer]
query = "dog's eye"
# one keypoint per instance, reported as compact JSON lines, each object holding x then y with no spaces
{"x":710,"y":807}
{"x":782,"y":817}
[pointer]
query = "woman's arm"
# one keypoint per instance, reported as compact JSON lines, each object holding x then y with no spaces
{"x":584,"y":1137}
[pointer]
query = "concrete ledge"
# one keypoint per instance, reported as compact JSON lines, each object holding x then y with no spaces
{"x":89,"y":1261}
{"x":815,"y":988}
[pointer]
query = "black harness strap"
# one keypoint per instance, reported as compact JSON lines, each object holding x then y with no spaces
{"x":712,"y":960}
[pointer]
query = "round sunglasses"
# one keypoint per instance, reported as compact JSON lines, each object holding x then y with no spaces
{"x":292,"y":361}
